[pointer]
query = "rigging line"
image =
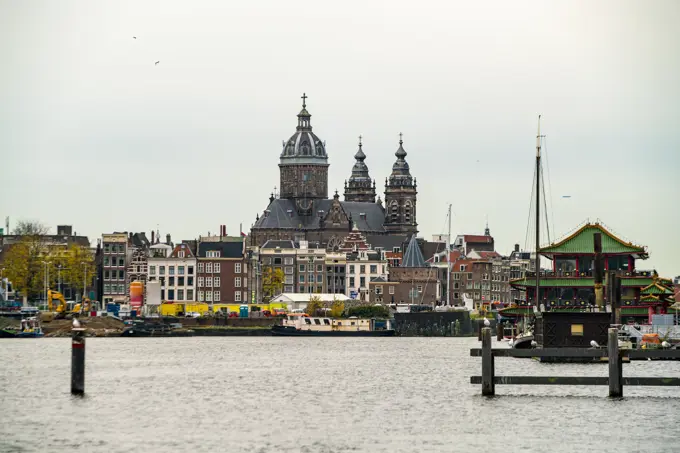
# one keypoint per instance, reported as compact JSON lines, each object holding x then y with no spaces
{"x":552,"y":204}
{"x":531,"y":199}
{"x":545,"y":207}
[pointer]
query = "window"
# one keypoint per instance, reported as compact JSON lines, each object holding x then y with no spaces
{"x":208,"y":282}
{"x":217,"y":267}
{"x":391,"y":289}
{"x":106,"y":275}
{"x":374,"y":269}
{"x":577,"y":330}
{"x":469,"y":275}
{"x":378,"y":289}
{"x":362,"y":281}
{"x":172,"y":281}
{"x":456,"y":295}
{"x":171,"y":270}
{"x":288,"y":289}
{"x":216,"y":281}
{"x":237,"y":268}
{"x":121,"y":262}
{"x":288,"y":261}
{"x":419,"y":288}
{"x":201,"y":297}
{"x":237,"y":296}
{"x":277,"y":260}
{"x":237,"y":282}
{"x":121,"y":248}
{"x":180,"y":254}
{"x":180,"y":294}
{"x":200,"y":282}
{"x":302,"y":267}
{"x":216,"y":296}
{"x":456,"y":276}
{"x":152,"y":270}
{"x":106,"y":261}
{"x":121,"y":275}
{"x":351,"y":282}
{"x":107,"y":248}
{"x":319,"y":278}
{"x":208,"y":268}
{"x":200,"y":267}
{"x":190,"y":270}
{"x":302,"y":278}
{"x":107,"y":289}
{"x":289,"y":280}
{"x":362,"y":269}
{"x":462,"y":267}
{"x":288,"y":270}
{"x":351,"y":268}
{"x":456,"y":285}
{"x":208,"y":296}
{"x":180,"y":270}
{"x":190,"y":281}
{"x":171,"y":294}
{"x":319,"y":267}
{"x":302,"y":289}
{"x":180,"y":281}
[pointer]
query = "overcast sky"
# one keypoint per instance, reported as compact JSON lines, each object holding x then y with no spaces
{"x":94,"y":134}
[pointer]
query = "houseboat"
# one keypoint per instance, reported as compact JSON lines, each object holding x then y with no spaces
{"x":330,"y":327}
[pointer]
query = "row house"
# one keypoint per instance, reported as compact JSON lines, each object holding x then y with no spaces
{"x":175,"y":269}
{"x":311,"y":268}
{"x":114,"y":266}
{"x":222,"y":272}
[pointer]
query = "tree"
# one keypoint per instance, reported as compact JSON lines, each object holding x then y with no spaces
{"x":337,"y":308}
{"x":30,"y":228}
{"x":314,"y":306}
{"x":24,"y":261}
{"x":369,"y":311}
{"x":272,"y":282}
{"x":77,"y":266}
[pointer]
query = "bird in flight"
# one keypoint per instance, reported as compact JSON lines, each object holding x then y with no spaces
{"x":157,"y":62}
{"x":134,"y":37}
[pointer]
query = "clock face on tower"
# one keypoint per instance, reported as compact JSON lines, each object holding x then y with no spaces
{"x":304,"y":206}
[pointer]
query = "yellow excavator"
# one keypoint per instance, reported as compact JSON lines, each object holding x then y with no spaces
{"x":60,"y":310}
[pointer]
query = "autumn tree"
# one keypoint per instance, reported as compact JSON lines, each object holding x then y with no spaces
{"x":25,"y":259}
{"x":75,"y":265}
{"x":314,"y":306}
{"x":272,"y":282}
{"x":337,"y":308}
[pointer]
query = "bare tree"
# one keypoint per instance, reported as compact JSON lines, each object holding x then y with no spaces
{"x":30,"y":228}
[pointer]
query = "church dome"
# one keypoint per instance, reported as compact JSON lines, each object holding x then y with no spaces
{"x":401,"y":175}
{"x":304,"y":145}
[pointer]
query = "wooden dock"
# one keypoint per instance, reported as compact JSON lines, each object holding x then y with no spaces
{"x":614,"y":355}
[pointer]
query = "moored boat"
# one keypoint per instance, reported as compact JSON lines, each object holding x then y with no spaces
{"x":329,"y":327}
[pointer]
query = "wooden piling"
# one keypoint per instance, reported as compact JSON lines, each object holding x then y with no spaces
{"x":615,"y":364}
{"x":488,"y":384}
{"x":499,"y":331}
{"x":77,"y":361}
{"x":479,"y":330}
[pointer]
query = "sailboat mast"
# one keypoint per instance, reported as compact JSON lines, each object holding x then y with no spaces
{"x":448,"y":262}
{"x":538,"y":211}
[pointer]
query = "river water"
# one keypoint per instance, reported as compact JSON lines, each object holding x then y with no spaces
{"x":268,"y":394}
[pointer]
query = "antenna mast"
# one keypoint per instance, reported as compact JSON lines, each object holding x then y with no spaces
{"x":448,"y":262}
{"x":538,"y":211}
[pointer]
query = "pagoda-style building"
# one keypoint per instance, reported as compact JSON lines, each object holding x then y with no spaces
{"x":570,"y":286}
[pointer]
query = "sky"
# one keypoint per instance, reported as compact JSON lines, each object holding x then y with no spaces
{"x":94,"y":134}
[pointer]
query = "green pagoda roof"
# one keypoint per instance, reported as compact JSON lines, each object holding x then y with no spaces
{"x":578,"y":282}
{"x":656,"y":288}
{"x":582,"y":242}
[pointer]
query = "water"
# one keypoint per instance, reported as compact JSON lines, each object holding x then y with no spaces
{"x":315,"y":395}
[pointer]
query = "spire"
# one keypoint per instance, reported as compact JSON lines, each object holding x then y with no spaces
{"x":401,"y":175}
{"x":358,"y":187}
{"x":413,"y":256}
{"x":304,"y":123}
{"x":487,"y":232}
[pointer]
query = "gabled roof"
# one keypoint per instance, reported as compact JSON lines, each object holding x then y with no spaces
{"x":182,"y":248}
{"x":484,"y":255}
{"x":272,"y":244}
{"x":477,"y":239}
{"x":413,"y":256}
{"x":582,"y":242}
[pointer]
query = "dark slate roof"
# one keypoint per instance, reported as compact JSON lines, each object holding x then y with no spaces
{"x":387,"y":242}
{"x":140,"y":240}
{"x":283,"y":214}
{"x":227,"y":249}
{"x":413,"y":257}
{"x":378,"y":280}
{"x":272,"y":244}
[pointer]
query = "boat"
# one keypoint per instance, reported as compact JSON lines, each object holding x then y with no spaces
{"x":306,"y":326}
{"x":523,"y":341}
{"x":29,"y":328}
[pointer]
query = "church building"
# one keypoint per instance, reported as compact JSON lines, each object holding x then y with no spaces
{"x":304,"y":212}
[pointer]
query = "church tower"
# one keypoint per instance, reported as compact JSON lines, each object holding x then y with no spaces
{"x":303,"y":165}
{"x":360,"y":187}
{"x":400,"y":197}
